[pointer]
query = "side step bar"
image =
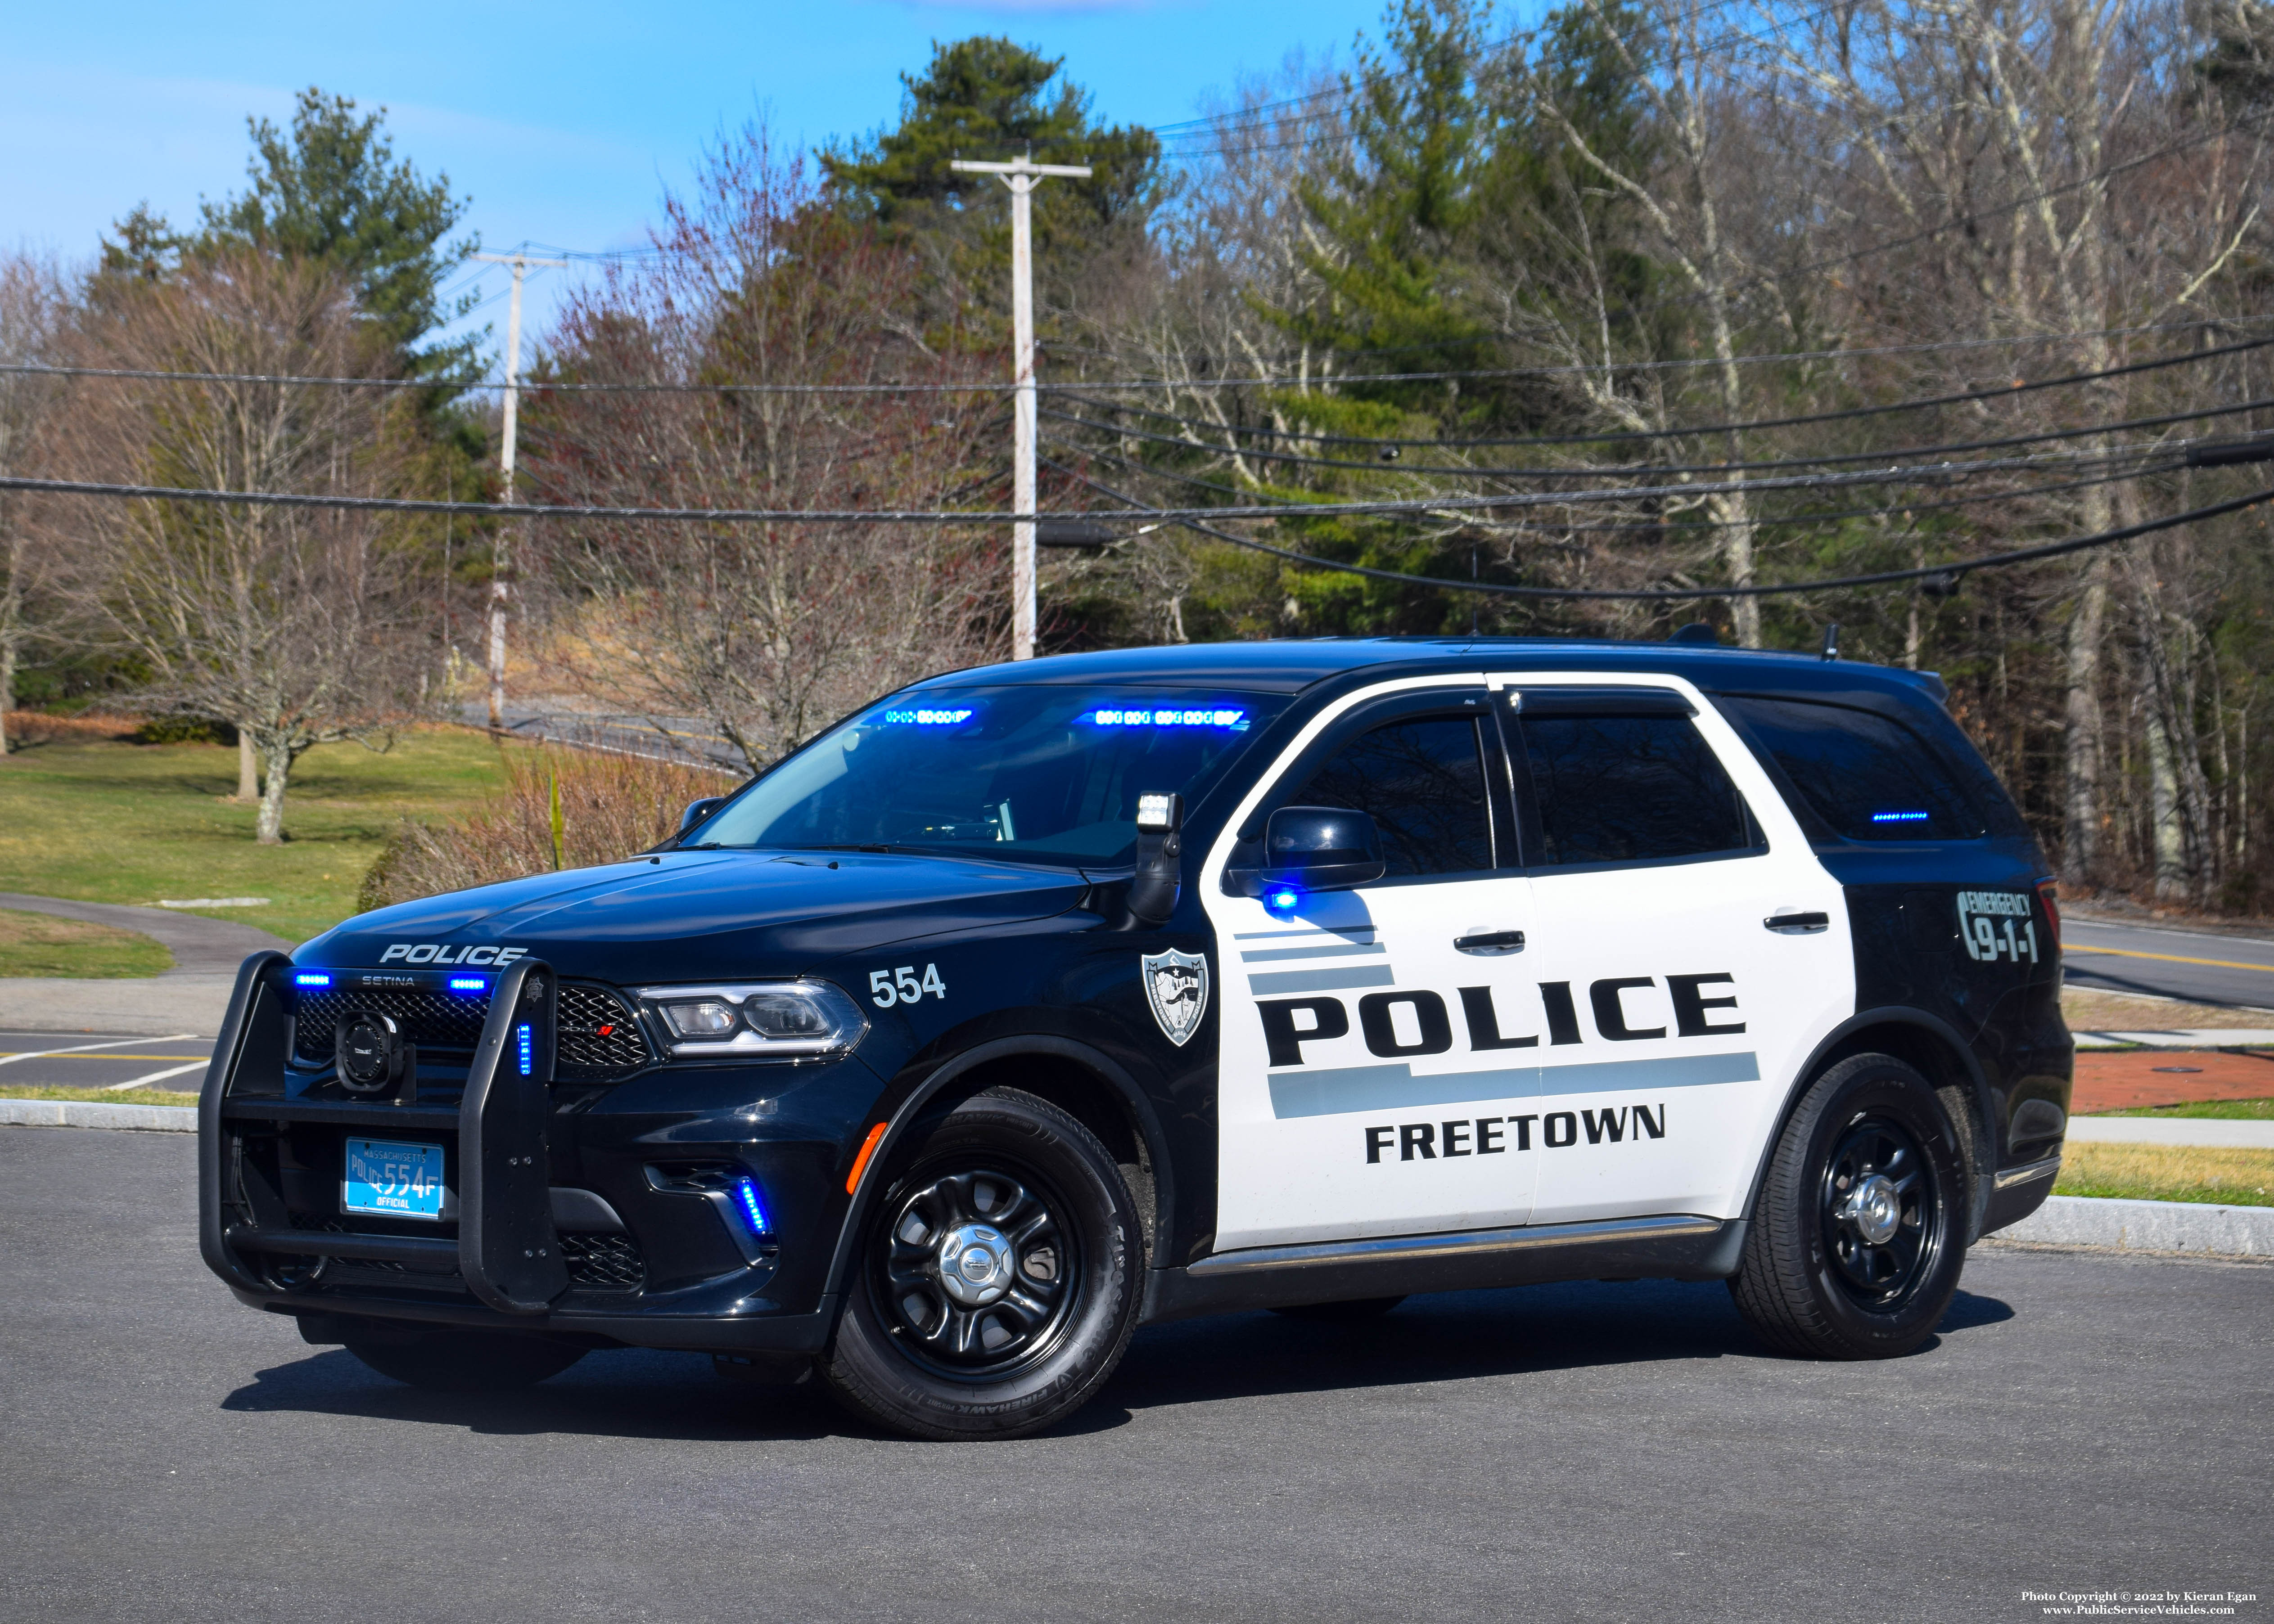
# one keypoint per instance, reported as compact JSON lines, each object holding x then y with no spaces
{"x":1681,"y":1246}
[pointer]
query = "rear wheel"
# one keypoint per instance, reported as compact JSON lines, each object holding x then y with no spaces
{"x":1855,"y":1245}
{"x":1342,"y":1314}
{"x":464,"y":1361}
{"x":1000,"y":1276}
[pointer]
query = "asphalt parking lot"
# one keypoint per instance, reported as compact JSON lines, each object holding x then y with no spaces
{"x":103,"y":1060}
{"x":1601,"y":1451}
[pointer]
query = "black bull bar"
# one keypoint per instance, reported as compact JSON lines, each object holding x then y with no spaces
{"x":507,"y":1249}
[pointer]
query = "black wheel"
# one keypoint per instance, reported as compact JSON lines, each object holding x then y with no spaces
{"x":1855,"y":1243}
{"x":1342,"y":1314}
{"x":464,"y":1361}
{"x":999,"y":1273}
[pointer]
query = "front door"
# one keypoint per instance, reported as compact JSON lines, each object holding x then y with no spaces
{"x":1372,"y":1060}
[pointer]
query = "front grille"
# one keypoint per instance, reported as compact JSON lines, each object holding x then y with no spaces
{"x":430,"y":1019}
{"x":598,"y":1038}
{"x":612,"y":1262}
{"x":598,"y":1041}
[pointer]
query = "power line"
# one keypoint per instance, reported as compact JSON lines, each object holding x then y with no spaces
{"x":2167,"y":463}
{"x":1692,"y":594}
{"x":1632,"y":469}
{"x":1998,"y":392}
{"x":1419,"y":505}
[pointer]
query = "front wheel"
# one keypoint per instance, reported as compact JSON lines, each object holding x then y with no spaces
{"x":1855,"y":1245}
{"x":999,"y":1274}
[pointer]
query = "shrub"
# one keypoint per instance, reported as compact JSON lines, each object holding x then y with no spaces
{"x":608,"y":807}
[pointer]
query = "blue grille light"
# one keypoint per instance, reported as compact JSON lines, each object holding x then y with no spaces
{"x":311,"y":978}
{"x":525,"y":1040}
{"x":1899,"y":817}
{"x":746,"y":1194}
{"x":469,"y":983}
{"x":1165,"y":717}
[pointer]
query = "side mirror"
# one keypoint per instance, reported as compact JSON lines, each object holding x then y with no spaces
{"x":697,"y":810}
{"x":1321,"y":848}
{"x":1160,"y":851}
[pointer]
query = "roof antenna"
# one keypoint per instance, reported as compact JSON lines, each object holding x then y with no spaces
{"x":1832,"y":641}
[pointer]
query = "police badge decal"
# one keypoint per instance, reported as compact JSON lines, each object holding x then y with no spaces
{"x":1176,"y":986}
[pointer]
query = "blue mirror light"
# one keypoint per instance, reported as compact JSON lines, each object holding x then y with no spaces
{"x":1282,"y":900}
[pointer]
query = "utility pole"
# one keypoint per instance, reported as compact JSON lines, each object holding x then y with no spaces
{"x":500,"y":555}
{"x":1020,"y":175}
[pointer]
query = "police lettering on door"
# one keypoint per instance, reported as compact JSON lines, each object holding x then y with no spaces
{"x":1400,"y":1027}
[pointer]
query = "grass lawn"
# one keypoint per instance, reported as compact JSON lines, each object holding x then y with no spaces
{"x":124,"y":1096}
{"x":41,"y":944}
{"x":2168,"y":1173}
{"x":2245,"y":1110}
{"x":114,"y":822}
{"x":2089,"y":1011}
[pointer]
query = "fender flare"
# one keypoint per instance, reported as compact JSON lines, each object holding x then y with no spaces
{"x":1900,"y":1015}
{"x":905,"y":1115}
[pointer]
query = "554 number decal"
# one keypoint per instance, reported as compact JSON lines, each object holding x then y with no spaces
{"x":887,"y":987}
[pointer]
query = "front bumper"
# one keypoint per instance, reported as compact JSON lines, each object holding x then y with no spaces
{"x":565,"y":1212}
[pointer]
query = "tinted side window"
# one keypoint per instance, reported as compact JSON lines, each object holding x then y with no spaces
{"x":1423,"y":781}
{"x":1630,"y":789}
{"x":1868,"y":778}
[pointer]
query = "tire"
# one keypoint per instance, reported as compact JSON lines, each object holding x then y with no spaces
{"x":1858,"y":1237}
{"x":954,"y":1328}
{"x":1342,"y":1314}
{"x":464,"y":1361}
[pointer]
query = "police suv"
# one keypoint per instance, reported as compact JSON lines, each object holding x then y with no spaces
{"x":1033,"y":1003}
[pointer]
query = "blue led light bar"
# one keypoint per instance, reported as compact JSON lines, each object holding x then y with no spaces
{"x":1899,"y":817}
{"x":754,"y":1211}
{"x":1221,"y":715}
{"x":525,"y":1043}
{"x":311,"y":978}
{"x":928,"y":717}
{"x":469,"y":983}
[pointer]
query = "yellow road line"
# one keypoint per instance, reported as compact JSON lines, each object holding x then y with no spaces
{"x":2126,"y":952}
{"x":46,"y":1055}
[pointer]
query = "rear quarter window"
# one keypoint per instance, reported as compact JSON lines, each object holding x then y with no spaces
{"x":1623,"y":789}
{"x":1866,"y":776}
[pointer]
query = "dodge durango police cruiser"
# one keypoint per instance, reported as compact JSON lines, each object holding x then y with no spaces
{"x":1033,"y":1003}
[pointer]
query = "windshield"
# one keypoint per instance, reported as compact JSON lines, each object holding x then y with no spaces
{"x":1038,"y":774}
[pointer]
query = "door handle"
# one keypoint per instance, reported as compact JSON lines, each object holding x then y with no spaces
{"x":1798,"y":924}
{"x":1491,"y":941}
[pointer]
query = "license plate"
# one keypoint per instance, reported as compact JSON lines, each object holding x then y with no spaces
{"x":392,"y":1179}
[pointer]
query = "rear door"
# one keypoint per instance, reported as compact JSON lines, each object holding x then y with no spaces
{"x":1688,"y":950}
{"x":1363,"y":1089}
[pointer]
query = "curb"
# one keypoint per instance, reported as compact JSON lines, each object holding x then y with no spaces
{"x":2198,"y":1228}
{"x":85,"y":1114}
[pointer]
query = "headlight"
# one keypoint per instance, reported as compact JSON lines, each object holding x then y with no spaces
{"x":758,"y":1017}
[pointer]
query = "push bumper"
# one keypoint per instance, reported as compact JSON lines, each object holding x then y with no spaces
{"x":506,"y":1266}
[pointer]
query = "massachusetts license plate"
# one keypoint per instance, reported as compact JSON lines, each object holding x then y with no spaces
{"x":392,"y":1179}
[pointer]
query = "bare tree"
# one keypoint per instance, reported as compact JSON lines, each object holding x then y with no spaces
{"x":292,"y":623}
{"x":766,"y":631}
{"x":35,"y":315}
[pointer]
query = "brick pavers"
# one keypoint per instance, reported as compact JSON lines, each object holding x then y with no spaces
{"x":2121,"y":1079}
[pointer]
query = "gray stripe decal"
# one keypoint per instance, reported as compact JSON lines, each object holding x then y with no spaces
{"x":1320,"y":951}
{"x":1321,"y":980}
{"x":1388,"y":1087}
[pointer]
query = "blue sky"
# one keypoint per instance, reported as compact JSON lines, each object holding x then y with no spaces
{"x":563,"y":122}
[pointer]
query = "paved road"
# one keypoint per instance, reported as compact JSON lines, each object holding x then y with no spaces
{"x":2170,"y":964}
{"x":191,"y":996}
{"x":1588,"y":1452}
{"x":103,"y":1060}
